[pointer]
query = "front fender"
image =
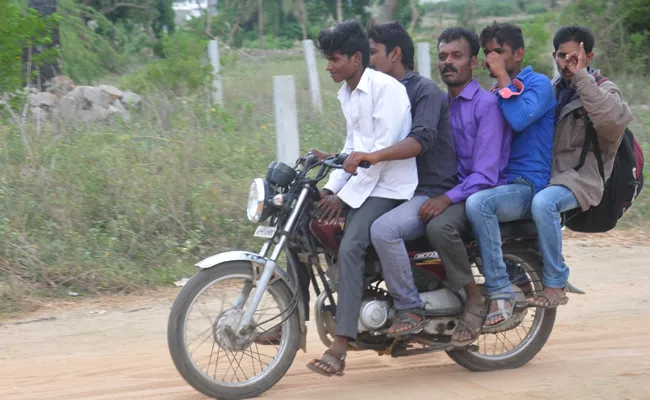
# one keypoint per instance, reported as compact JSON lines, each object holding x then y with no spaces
{"x":279,"y":273}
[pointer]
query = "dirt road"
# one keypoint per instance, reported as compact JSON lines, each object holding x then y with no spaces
{"x":115,"y":348}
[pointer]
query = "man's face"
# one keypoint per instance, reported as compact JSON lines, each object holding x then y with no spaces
{"x":379,"y":60}
{"x":510,"y":58}
{"x":455,"y":62}
{"x":342,"y":67}
{"x":560,"y":57}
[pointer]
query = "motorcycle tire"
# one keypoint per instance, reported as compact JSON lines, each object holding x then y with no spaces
{"x":477,"y":363}
{"x":197,"y":378}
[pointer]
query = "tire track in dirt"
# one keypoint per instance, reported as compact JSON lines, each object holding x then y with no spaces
{"x":598,"y":350}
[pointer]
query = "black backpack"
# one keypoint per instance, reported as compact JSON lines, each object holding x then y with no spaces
{"x":622,"y":187}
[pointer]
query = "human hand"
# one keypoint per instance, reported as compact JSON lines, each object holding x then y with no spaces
{"x":577,"y":60}
{"x":329,"y":207}
{"x":495,"y":64}
{"x":354,"y":159}
{"x":320,"y":154}
{"x":434,"y":207}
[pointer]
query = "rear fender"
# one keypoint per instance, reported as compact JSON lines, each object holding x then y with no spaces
{"x":257,"y":263}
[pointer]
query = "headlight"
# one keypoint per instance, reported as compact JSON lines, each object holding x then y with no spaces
{"x":256,"y":196}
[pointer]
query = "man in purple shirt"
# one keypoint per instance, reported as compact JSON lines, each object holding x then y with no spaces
{"x":482,"y":140}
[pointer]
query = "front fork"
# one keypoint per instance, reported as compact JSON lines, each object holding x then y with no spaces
{"x":271,"y":264}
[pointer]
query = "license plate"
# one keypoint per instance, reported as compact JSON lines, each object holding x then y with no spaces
{"x":266,"y":232}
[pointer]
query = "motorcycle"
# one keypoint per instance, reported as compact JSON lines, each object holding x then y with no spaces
{"x":286,"y":198}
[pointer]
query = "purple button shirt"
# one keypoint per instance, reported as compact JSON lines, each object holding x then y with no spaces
{"x":483,"y":139}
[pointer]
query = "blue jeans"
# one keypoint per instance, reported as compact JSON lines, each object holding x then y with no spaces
{"x":485,"y":209}
{"x":388,"y":234}
{"x":547,"y":205}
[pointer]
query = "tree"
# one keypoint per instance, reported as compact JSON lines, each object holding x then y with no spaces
{"x":260,"y":22}
{"x":387,"y":11}
{"x":339,"y":10}
{"x":414,"y":16}
{"x":49,"y":68}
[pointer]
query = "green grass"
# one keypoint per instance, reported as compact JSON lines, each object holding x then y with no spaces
{"x":113,"y":208}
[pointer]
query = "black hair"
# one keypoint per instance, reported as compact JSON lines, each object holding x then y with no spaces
{"x":577,"y":34}
{"x":504,"y":33}
{"x":459,"y":32}
{"x":392,"y":34}
{"x":347,"y":38}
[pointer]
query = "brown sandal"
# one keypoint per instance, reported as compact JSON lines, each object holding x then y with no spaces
{"x":475,"y":330}
{"x":331,"y":362}
{"x":543,"y":300}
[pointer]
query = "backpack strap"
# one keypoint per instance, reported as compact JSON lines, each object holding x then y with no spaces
{"x":591,"y":137}
{"x":591,"y":131}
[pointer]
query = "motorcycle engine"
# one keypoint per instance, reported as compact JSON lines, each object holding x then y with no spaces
{"x":375,"y":314}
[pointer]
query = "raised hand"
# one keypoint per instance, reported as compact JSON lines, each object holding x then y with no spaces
{"x":577,"y":60}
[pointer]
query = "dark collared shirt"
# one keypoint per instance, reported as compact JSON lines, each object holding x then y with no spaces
{"x":431,"y":127}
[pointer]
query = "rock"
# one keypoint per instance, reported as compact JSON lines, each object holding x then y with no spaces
{"x":94,"y":114}
{"x":118,"y":104}
{"x":112,"y":92}
{"x":96,"y":97}
{"x":60,"y":85}
{"x":68,"y":106}
{"x":112,"y":110}
{"x":130,"y":99}
{"x":39,"y":113}
{"x":78,"y":95}
{"x":43,"y":99}
{"x":82,"y":103}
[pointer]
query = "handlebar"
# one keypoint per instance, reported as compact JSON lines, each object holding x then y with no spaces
{"x":336,"y":161}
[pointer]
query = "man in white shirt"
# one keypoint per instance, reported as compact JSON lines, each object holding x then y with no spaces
{"x":378,"y":114}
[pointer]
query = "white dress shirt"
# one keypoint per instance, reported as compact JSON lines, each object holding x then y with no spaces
{"x":378,"y":115}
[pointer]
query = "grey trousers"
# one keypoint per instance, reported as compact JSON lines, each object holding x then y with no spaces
{"x":443,"y":233}
{"x":352,"y":255}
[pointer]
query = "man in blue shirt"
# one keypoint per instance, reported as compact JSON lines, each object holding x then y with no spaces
{"x":527,"y":101}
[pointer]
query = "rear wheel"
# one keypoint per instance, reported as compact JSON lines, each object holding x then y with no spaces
{"x":519,"y":345}
{"x":205,"y":350}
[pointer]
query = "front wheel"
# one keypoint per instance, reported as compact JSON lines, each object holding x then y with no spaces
{"x":517,"y":346}
{"x":206,"y":351}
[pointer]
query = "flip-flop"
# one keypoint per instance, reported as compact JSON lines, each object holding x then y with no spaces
{"x":474,"y":330}
{"x":500,"y":299}
{"x":548,"y":302}
{"x":402,"y":318}
{"x":331,"y":361}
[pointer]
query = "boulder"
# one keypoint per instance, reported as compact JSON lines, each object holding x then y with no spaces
{"x":43,"y":99}
{"x":112,"y":92}
{"x":131,"y":100}
{"x":96,"y":97}
{"x":60,"y":85}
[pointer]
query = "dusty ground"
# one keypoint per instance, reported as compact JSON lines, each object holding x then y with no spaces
{"x":115,"y":348}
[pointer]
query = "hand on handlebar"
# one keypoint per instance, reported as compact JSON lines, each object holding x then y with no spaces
{"x":320,"y":154}
{"x":358,"y":159}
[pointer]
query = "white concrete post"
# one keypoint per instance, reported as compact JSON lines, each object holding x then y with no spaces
{"x":424,"y":60}
{"x":286,"y":119}
{"x":217,"y":88}
{"x":312,"y":74}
